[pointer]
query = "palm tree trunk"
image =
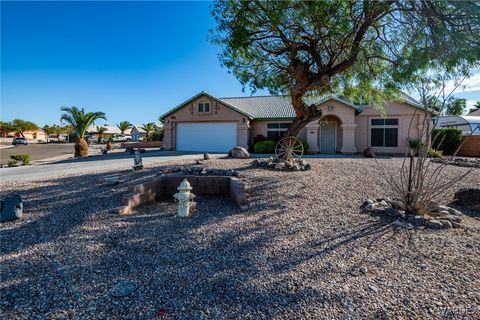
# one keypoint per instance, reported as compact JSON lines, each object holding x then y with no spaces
{"x":81,"y":148}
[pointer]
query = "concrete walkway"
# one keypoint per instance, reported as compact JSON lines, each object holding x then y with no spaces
{"x":91,"y":164}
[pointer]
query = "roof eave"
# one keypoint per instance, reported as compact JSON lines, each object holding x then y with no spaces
{"x":204,"y":93}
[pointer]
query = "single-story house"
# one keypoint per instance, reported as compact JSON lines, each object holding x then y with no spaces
{"x":29,"y":135}
{"x":208,"y":123}
{"x":137,"y":133}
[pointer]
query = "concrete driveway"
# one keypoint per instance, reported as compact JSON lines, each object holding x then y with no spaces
{"x":92,"y":164}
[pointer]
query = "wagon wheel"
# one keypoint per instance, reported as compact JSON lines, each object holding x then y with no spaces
{"x":289,"y":148}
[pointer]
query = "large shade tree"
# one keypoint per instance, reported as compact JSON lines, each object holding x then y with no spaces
{"x":80,"y":121}
{"x":21,"y":126}
{"x":366,"y":50}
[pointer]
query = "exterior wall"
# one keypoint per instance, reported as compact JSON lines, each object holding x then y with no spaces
{"x":344,"y":116}
{"x":218,"y":113}
{"x":407,"y":128}
{"x":35,"y":135}
{"x":260,"y":127}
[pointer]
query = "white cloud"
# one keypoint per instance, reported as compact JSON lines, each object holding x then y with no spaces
{"x":468,"y":85}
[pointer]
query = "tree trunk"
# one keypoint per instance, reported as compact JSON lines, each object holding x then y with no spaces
{"x":81,"y":148}
{"x":305,"y":113}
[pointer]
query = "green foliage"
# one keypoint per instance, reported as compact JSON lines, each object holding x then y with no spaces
{"x":448,"y":140}
{"x":149,"y":129}
{"x":305,"y":146}
{"x":157,"y":135}
{"x":455,"y":106}
{"x":366,"y":50}
{"x":432,"y":153}
{"x":476,"y":107}
{"x":24,"y":158}
{"x":264,"y":146}
{"x":19,"y":126}
{"x":79,"y":120}
{"x":12,"y":163}
{"x":124,"y":126}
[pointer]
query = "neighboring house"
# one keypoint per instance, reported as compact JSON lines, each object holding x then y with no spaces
{"x":475,"y":113}
{"x":111,"y":130}
{"x":470,"y":125}
{"x":29,"y":135}
{"x":137,"y":133}
{"x":207,"y":123}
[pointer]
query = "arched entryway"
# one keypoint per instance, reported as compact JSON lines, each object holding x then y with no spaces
{"x":329,"y":134}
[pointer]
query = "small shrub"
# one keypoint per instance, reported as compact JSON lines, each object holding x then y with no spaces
{"x":265,"y":146}
{"x":24,"y":158}
{"x":432,"y":153}
{"x":12,"y":163}
{"x":305,"y":146}
{"x":448,"y":140}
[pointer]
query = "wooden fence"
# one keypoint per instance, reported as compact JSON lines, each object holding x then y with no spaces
{"x":471,"y":147}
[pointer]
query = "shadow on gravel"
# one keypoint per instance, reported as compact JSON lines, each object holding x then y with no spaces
{"x":221,"y":261}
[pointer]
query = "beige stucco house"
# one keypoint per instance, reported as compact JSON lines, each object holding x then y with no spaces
{"x":208,"y":123}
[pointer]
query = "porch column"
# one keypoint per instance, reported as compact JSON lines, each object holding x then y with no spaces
{"x":312,"y":136}
{"x":348,"y":141}
{"x":242,"y":134}
{"x":167,"y":136}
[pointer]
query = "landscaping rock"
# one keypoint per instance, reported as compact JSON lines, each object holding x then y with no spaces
{"x":433,"y":224}
{"x":11,"y":208}
{"x":400,"y":224}
{"x":446,"y":224}
{"x":469,"y":198}
{"x":280,"y":166}
{"x":392,"y":212}
{"x":206,"y":156}
{"x":368,"y":153}
{"x":239,"y":153}
{"x":123,"y":288}
{"x":454,"y":211}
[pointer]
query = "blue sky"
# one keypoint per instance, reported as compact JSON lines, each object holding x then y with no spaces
{"x":134,"y":61}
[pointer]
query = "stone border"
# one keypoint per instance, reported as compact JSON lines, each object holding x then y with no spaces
{"x":164,"y":187}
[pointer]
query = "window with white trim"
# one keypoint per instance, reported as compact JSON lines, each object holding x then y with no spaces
{"x":276,"y":131}
{"x":384,"y":132}
{"x":203,"y":107}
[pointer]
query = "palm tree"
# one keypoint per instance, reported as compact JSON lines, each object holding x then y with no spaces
{"x":124,"y":126}
{"x":48,"y":130}
{"x":100,"y":132}
{"x":80,"y":120}
{"x":476,"y":107}
{"x":148,"y":128}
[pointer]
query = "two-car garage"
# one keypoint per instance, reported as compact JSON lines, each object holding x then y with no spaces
{"x":206,"y":136}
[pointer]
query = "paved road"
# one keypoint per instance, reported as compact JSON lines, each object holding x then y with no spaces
{"x":91,"y":164}
{"x":37,"y":151}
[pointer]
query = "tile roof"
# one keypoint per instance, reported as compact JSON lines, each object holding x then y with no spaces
{"x":275,"y":107}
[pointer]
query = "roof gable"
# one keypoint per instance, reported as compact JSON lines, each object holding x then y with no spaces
{"x":205,"y":94}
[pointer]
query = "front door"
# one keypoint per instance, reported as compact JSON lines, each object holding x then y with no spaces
{"x":328,"y":137}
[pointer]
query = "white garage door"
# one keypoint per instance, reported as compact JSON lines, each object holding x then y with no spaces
{"x":212,"y":136}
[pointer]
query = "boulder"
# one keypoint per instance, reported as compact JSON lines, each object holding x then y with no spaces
{"x":469,"y":198}
{"x":239,"y":153}
{"x":11,"y":208}
{"x":368,"y":153}
{"x":433,"y":224}
{"x":280,"y":166}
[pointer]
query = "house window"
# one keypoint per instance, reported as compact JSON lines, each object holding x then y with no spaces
{"x":204,"y":107}
{"x":276,"y":131}
{"x":384,"y":133}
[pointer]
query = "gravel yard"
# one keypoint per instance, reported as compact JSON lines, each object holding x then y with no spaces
{"x":302,"y":250}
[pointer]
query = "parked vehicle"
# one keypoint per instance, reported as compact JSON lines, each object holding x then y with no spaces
{"x":19,"y":140}
{"x":122,"y":138}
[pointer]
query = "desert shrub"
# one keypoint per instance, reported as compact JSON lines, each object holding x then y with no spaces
{"x":12,"y":163}
{"x":258,"y":138}
{"x":432,"y":153}
{"x":448,"y":140}
{"x":265,"y":146}
{"x":24,"y":158}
